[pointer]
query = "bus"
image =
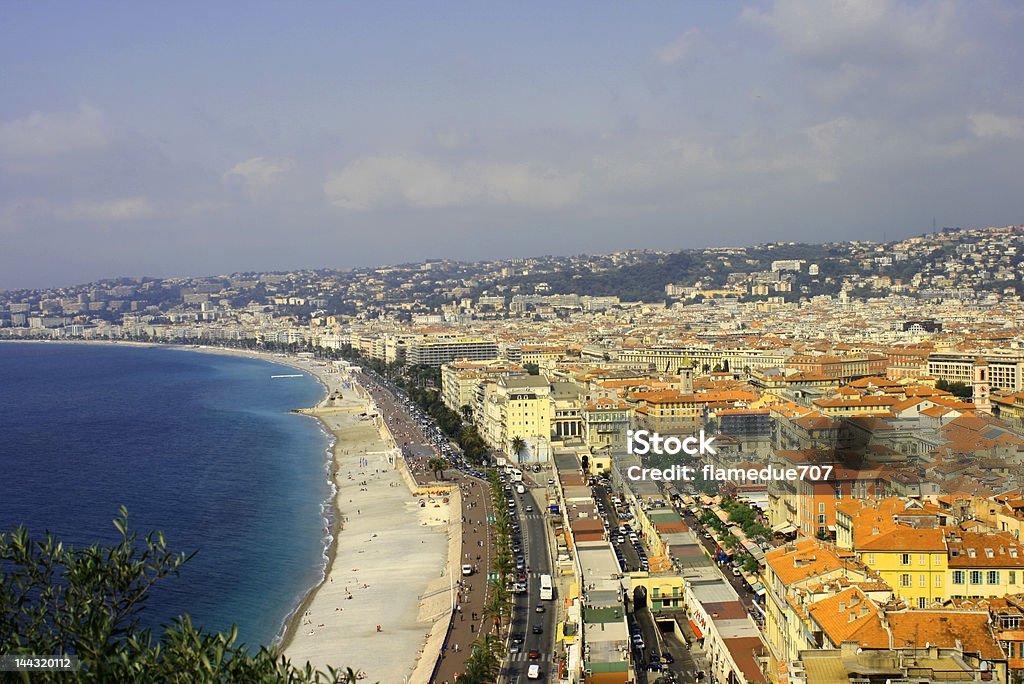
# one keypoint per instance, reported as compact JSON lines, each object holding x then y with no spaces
{"x":517,"y":475}
{"x":547,"y":592}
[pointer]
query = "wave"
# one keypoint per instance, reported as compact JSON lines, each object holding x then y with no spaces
{"x":329,"y":518}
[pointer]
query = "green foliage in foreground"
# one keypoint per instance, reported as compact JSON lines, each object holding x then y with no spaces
{"x":58,"y":600}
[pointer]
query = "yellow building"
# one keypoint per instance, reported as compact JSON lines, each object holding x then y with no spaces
{"x":912,"y":561}
{"x":984,"y":564}
{"x":789,"y":572}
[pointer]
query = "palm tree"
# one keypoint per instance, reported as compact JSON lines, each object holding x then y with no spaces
{"x":467,"y":412}
{"x":484,"y":664}
{"x":437,"y":466}
{"x":518,"y":444}
{"x":497,"y":602}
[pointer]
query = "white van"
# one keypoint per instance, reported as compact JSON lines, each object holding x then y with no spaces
{"x":467,"y":570}
{"x":520,"y":489}
{"x":533,"y":672}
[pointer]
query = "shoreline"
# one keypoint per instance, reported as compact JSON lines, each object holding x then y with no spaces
{"x":423,"y":616}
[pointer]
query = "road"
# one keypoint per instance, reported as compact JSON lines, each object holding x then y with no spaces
{"x":611,"y":517}
{"x":420,"y":439}
{"x":743,"y":590}
{"x":536,"y":551}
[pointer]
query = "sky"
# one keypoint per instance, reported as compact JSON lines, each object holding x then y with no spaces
{"x":198,"y":138}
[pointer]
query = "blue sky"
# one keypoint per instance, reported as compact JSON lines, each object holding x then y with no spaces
{"x":201,"y":138}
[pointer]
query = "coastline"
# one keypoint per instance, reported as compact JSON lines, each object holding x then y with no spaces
{"x":417,"y":621}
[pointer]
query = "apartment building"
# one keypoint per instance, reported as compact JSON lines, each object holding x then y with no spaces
{"x":439,"y":351}
{"x":1005,"y":368}
{"x":459,"y":379}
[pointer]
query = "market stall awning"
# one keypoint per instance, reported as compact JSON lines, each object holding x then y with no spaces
{"x":696,"y":630}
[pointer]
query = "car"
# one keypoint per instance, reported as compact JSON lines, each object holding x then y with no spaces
{"x":736,"y":572}
{"x":529,"y":509}
{"x":533,"y":654}
{"x":668,"y":658}
{"x":551,"y":481}
{"x":654,"y":665}
{"x":540,"y":608}
{"x":533,"y":672}
{"x":621,"y":539}
{"x":467,"y":570}
{"x":518,"y":638}
{"x":538,"y":629}
{"x":515,"y":648}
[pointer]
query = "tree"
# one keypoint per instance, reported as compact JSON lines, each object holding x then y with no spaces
{"x":467,"y":412}
{"x":518,"y":444}
{"x":532,"y":368}
{"x":57,"y":599}
{"x":957,"y":389}
{"x":437,"y":466}
{"x":497,"y":605}
{"x":484,"y":663}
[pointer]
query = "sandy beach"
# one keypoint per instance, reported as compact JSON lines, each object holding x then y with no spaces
{"x":381,"y":597}
{"x":385,"y":604}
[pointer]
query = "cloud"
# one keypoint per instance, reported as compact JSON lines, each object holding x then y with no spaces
{"x":680,"y":48}
{"x":258,"y":173}
{"x":419,"y":182}
{"x":857,"y":30}
{"x":48,"y":134}
{"x":122,"y":209}
{"x":989,"y":125}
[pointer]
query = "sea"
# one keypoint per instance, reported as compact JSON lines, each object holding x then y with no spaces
{"x":201,"y":447}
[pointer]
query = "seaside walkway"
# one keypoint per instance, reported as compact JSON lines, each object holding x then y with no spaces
{"x":467,"y":622}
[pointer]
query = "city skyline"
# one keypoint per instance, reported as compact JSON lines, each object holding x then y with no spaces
{"x":153,"y":142}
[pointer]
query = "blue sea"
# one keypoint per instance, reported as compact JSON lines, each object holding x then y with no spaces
{"x":199,"y":446}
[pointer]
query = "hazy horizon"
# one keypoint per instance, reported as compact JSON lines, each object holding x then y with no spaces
{"x":193,"y":140}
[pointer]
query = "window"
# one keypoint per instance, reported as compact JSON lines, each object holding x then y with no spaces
{"x":938,"y":581}
{"x":993,"y":577}
{"x":975,"y":576}
{"x":922,"y":602}
{"x":905,"y":559}
{"x":1012,"y":576}
{"x":905,"y":581}
{"x":822,"y":520}
{"x":922,"y":559}
{"x":821,"y":508}
{"x":871,"y":559}
{"x":922,"y":581}
{"x":958,"y":577}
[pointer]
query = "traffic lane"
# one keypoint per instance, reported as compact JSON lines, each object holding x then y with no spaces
{"x":652,"y":643}
{"x":611,"y":518}
{"x":684,"y":666}
{"x":539,"y":562}
{"x":659,"y":643}
{"x":525,"y":616}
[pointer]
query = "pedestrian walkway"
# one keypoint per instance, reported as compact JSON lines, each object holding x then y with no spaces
{"x":478,"y":543}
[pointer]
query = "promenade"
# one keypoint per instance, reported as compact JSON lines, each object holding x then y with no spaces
{"x":478,"y":544}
